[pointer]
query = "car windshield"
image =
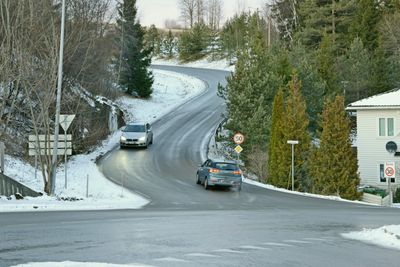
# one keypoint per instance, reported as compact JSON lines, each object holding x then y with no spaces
{"x":135,"y":128}
{"x":226,"y":166}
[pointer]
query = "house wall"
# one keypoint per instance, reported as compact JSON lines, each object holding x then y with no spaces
{"x":371,"y":148}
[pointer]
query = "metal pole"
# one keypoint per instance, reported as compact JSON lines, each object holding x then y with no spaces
{"x":292,"y":167}
{"x":65,"y":155}
{"x":87,"y":186}
{"x":36,"y":165}
{"x":2,"y":151}
{"x":58,"y":103}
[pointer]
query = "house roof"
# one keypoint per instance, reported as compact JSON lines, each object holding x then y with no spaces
{"x":387,"y":100}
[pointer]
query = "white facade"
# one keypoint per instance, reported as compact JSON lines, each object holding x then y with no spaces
{"x":378,"y":122}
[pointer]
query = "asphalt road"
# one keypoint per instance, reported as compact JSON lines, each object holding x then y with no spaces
{"x":185,"y":225}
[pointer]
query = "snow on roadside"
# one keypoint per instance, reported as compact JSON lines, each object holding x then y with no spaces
{"x":77,"y":264}
{"x":202,"y":64}
{"x":387,"y":236}
{"x":170,"y":90}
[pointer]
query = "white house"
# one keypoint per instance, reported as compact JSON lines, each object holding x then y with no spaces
{"x":378,"y":137}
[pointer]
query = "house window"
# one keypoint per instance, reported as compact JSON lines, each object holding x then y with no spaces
{"x":382,"y":174}
{"x":382,"y":127}
{"x":390,"y":126}
{"x":386,"y":126}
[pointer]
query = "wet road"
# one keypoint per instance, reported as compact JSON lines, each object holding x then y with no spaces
{"x":185,"y":225}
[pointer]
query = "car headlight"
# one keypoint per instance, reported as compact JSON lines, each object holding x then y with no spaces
{"x":142,"y":139}
{"x":123,"y":138}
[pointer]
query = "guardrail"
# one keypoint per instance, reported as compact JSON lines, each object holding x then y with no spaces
{"x":9,"y":187}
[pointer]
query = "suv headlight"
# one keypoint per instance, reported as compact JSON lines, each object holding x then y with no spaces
{"x":142,"y":139}
{"x":123,"y":138}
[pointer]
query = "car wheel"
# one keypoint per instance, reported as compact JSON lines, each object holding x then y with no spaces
{"x":151,"y":141}
{"x":121,"y":146}
{"x":206,"y":186}
{"x":198,"y":179}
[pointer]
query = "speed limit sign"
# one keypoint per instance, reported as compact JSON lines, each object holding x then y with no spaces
{"x":238,"y":138}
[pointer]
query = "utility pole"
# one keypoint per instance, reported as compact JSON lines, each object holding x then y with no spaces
{"x":58,"y":103}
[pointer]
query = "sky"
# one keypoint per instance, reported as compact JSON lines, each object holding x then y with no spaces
{"x":157,"y":11}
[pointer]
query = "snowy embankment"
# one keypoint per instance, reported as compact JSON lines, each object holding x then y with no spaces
{"x":170,"y":90}
{"x":202,"y":64}
{"x":76,"y":264}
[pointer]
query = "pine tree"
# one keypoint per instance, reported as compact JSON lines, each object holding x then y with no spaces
{"x":134,"y":59}
{"x":153,"y":40}
{"x":168,"y":45}
{"x":334,"y":164}
{"x":296,"y":124}
{"x":365,"y":23}
{"x":277,"y":167}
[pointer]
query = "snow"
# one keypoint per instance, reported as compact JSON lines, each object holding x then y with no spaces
{"x":173,"y":89}
{"x":389,"y":99}
{"x":170,"y":91}
{"x":202,"y":64}
{"x":76,"y":264}
{"x":387,"y":236}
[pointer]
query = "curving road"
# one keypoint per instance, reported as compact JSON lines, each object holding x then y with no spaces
{"x":185,"y":225}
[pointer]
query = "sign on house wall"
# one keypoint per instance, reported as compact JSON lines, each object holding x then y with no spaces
{"x":390,"y":170}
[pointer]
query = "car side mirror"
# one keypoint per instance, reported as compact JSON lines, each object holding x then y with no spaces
{"x":123,"y":128}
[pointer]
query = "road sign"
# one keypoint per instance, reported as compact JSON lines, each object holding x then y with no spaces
{"x":43,"y":145}
{"x":390,"y":170}
{"x":238,"y":149}
{"x":238,"y":138}
{"x":66,"y":120}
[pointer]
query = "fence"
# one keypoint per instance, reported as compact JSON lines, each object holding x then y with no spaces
{"x":9,"y":187}
{"x":375,"y":199}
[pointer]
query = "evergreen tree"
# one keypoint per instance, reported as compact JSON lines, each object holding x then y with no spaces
{"x":364,"y":24}
{"x":277,"y":167}
{"x":296,"y":124}
{"x":333,"y":165}
{"x":313,"y":86}
{"x":326,"y":65}
{"x":168,"y":45}
{"x":193,"y":43}
{"x":249,"y":93}
{"x":153,"y":40}
{"x":321,"y":17}
{"x":134,"y":59}
{"x":355,"y":71}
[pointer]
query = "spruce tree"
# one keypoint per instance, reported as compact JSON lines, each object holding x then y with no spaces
{"x":334,"y":164}
{"x":296,"y":124}
{"x":133,"y":59}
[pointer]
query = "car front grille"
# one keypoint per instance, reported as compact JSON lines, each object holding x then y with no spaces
{"x":132,"y":140}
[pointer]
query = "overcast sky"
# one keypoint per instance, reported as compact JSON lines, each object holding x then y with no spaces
{"x":157,"y":11}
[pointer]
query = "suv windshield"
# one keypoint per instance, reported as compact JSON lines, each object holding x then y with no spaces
{"x":226,"y":166}
{"x":135,"y":128}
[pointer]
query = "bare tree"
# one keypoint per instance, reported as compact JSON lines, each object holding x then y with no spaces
{"x":188,"y":11}
{"x":29,"y":41}
{"x":200,"y":11}
{"x":214,"y":14}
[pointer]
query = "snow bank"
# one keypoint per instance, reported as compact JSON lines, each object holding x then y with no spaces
{"x":77,"y":264}
{"x":387,"y":236}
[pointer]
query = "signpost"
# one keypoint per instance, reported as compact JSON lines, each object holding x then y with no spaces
{"x":65,"y":122}
{"x":293,"y":142}
{"x":238,"y":138}
{"x":389,"y":173}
